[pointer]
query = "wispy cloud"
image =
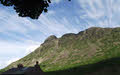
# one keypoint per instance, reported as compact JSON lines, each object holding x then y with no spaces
{"x":100,"y":12}
{"x":55,"y":1}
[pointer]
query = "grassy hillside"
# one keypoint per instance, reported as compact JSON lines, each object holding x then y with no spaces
{"x":75,"y":50}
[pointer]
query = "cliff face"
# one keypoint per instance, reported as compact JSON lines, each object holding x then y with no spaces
{"x":71,"y":50}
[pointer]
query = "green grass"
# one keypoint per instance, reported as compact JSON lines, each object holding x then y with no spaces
{"x":106,"y":67}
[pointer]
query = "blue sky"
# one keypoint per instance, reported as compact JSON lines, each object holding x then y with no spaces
{"x":20,"y":36}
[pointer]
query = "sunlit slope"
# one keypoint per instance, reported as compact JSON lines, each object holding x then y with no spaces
{"x":73,"y":50}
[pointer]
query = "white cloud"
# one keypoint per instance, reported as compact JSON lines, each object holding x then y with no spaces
{"x":94,"y":9}
{"x":12,"y":51}
{"x":53,"y":26}
{"x":31,"y":49}
{"x":100,"y":12}
{"x":6,"y":62}
{"x":50,"y":12}
{"x":55,"y":1}
{"x":11,"y":61}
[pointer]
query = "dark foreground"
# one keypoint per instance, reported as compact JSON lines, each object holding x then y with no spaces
{"x":106,"y":67}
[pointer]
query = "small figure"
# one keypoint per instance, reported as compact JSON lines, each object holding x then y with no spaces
{"x":19,"y":66}
{"x":37,"y":65}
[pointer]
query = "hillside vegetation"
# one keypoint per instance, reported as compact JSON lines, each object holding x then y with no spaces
{"x":89,"y":47}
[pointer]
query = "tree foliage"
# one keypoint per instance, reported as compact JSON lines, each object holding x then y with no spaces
{"x":28,"y":8}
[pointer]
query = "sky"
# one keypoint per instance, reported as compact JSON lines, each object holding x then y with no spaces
{"x":20,"y":36}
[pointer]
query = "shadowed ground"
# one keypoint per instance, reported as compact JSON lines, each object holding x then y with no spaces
{"x":107,"y":67}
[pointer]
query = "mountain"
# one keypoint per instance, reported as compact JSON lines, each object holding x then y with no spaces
{"x":95,"y":46}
